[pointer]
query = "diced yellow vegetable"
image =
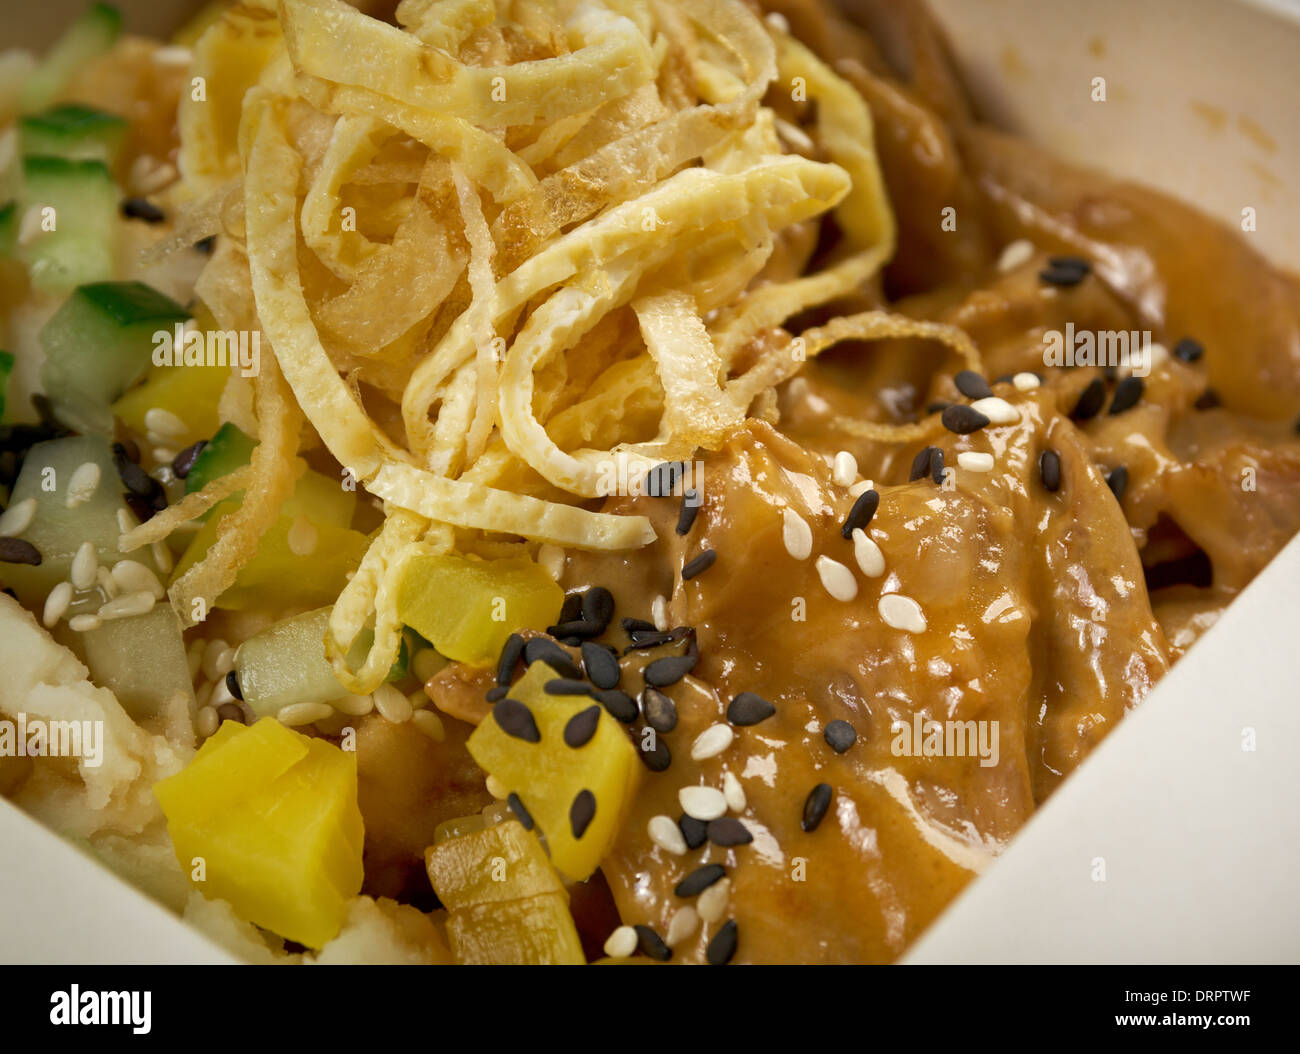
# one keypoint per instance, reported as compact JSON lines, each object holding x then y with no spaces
{"x":466,"y":607}
{"x":549,"y":775}
{"x":535,"y":931}
{"x":190,"y":393}
{"x":501,"y":862}
{"x":267,"y":819}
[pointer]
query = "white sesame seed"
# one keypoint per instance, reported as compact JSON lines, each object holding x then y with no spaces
{"x":551,"y":558}
{"x":353,"y":705}
{"x":901,"y":612}
{"x":711,"y":905}
{"x":844,"y":469}
{"x":1015,"y":254}
{"x":733,"y":792}
{"x":207,"y":721}
{"x":221,"y":694}
{"x":837,"y":579}
{"x":82,"y":484}
{"x":1026,"y":382}
{"x":871,"y":561}
{"x":225,"y":662}
{"x":621,"y":944}
{"x":162,"y":556}
{"x":998,"y":411}
{"x":173,"y":55}
{"x":860,"y":488}
{"x":777,"y":21}
{"x":430,"y":724}
{"x":392,"y":705}
{"x":1158,"y":354}
{"x":685,"y":922}
{"x":659,"y":612}
{"x":165,"y":423}
{"x":302,"y":537}
{"x":702,"y":803}
{"x":17,"y":518}
{"x":975,"y":461}
{"x":712,"y":742}
{"x":796,"y":534}
{"x":56,"y":604}
{"x":427,"y":663}
{"x":148,"y":174}
{"x":296,"y":714}
{"x":126,"y":521}
{"x":84,"y":565}
{"x":665,"y":833}
{"x":418,"y":699}
{"x":203,"y":693}
{"x":104,"y":579}
{"x":162,"y":453}
{"x":126,"y":605}
{"x":133,"y":577}
{"x":84,"y":623}
{"x":194,"y":657}
{"x":211,"y":652}
{"x":497,"y":789}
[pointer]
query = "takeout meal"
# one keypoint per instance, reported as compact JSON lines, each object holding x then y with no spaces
{"x":557,"y":481}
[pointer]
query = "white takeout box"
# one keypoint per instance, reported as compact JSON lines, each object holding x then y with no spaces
{"x":1198,"y":836}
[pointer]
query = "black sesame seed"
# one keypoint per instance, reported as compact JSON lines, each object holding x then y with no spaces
{"x":571,"y":609}
{"x":1117,"y":481}
{"x":936,"y":466}
{"x":860,"y":515}
{"x":509,"y":658}
{"x":660,"y":712}
{"x":1065,"y":270}
{"x":815,"y":806}
{"x":963,"y":420}
{"x":696,"y":832}
{"x":1090,"y":401}
{"x":1188,"y":350}
{"x":1208,"y":400}
{"x":547,"y":651}
{"x":521,"y":812}
{"x":601,"y":665}
{"x":840,"y":735}
{"x":497,"y":692}
{"x":575,"y":632}
{"x":567,"y":686}
{"x":656,"y":756}
{"x":652,"y":945}
{"x":668,"y":670}
{"x":1127,"y":394}
{"x":690,"y":509}
{"x":747,"y":708}
{"x":699,"y":880}
{"x":231,"y":712}
{"x":579,"y":729}
{"x":133,"y":477}
{"x":581,"y":812}
{"x":19,"y":551}
{"x":232,"y":685}
{"x":621,"y":706}
{"x":598,"y":606}
{"x":1049,"y":470}
{"x":972,"y":385}
{"x":638,"y":625}
{"x":722,"y":948}
{"x":516,"y":720}
{"x":937,"y":407}
{"x":921,"y":464}
{"x":699,"y":564}
{"x":642,"y":640}
{"x":727,"y":831}
{"x":142,"y":209}
{"x":662,"y":479}
{"x":184,"y":461}
{"x":141,"y":508}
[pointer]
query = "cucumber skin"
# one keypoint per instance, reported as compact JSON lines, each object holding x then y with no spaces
{"x":226,"y":451}
{"x":93,"y":33}
{"x":84,"y":198}
{"x":75,"y":133}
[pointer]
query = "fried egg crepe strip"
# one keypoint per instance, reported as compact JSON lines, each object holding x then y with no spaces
{"x":482,"y":311}
{"x":190,"y":507}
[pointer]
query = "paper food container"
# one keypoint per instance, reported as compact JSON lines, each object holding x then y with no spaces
{"x":1197,"y":835}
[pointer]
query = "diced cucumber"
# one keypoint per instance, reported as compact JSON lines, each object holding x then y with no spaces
{"x":56,"y":530}
{"x":78,"y":245}
{"x":98,"y":344}
{"x":6,"y":368}
{"x":286,"y":663}
{"x":75,"y":132}
{"x":89,"y":36}
{"x":142,"y":659}
{"x":226,"y":451}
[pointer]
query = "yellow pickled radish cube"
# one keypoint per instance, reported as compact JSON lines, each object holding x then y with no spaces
{"x":550,"y":777}
{"x":534,"y":931}
{"x":282,"y":843}
{"x":189,"y":393}
{"x":467,"y":607}
{"x":232,"y":764}
{"x":501,"y":862}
